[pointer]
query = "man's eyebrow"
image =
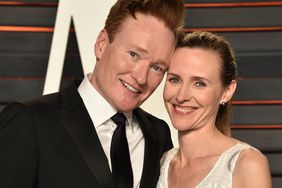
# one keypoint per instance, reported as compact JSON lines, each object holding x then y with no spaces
{"x":144,"y":52}
{"x":138,"y":48}
{"x":161,"y":62}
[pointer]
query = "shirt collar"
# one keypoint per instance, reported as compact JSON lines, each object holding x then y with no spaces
{"x":97,"y":106}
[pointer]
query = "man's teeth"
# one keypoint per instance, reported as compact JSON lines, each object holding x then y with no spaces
{"x":184,"y":110}
{"x":129,"y":87}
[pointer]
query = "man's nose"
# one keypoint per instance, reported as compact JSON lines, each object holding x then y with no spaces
{"x":140,"y":73}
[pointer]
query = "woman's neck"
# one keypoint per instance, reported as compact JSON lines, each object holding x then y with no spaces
{"x":200,"y":143}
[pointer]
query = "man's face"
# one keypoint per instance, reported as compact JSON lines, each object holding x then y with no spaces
{"x":130,"y":68}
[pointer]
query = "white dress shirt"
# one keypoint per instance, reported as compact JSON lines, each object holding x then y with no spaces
{"x":100,"y":112}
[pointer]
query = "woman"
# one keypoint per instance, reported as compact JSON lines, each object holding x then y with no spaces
{"x":200,"y":83}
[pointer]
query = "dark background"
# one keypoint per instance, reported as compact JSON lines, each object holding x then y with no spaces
{"x":254,"y":28}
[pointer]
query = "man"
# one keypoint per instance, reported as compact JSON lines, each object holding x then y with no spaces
{"x":66,"y":139}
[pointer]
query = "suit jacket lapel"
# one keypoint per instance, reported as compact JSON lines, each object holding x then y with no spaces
{"x":151,"y":158}
{"x":80,"y":128}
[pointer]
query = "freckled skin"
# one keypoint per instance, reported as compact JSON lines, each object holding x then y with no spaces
{"x":131,"y":67}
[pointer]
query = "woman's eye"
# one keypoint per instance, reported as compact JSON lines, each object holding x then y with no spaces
{"x":200,"y":84}
{"x":173,"y":80}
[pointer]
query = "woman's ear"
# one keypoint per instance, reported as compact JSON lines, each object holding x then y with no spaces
{"x":229,"y":91}
{"x":101,"y":42}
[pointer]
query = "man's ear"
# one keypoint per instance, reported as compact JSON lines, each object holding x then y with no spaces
{"x":101,"y":42}
{"x":229,"y":91}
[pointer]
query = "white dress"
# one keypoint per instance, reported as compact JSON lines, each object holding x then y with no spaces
{"x":220,"y":175}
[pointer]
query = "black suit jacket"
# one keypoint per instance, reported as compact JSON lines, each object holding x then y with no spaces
{"x":50,"y":142}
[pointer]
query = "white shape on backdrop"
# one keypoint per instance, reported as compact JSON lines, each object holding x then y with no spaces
{"x":88,"y":17}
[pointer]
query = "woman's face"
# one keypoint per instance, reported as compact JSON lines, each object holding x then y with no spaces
{"x":193,"y":89}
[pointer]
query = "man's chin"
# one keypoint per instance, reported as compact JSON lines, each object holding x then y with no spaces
{"x":127,"y":108}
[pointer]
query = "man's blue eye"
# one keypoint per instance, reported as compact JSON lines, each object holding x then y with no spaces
{"x":157,"y":68}
{"x":132,"y":54}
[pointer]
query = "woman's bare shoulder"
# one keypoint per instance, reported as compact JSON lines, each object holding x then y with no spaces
{"x":252,"y":169}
